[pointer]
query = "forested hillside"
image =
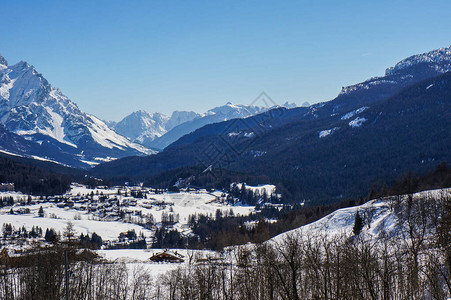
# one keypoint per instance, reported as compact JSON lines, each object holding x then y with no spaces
{"x":324,"y":158}
{"x":31,"y":179}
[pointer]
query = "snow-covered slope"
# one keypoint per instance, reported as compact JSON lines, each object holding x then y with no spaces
{"x":32,"y":108}
{"x":379,"y":217}
{"x":141,"y":125}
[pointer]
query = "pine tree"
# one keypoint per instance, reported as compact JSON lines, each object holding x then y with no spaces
{"x":358,"y":224}
{"x":41,"y":212}
{"x":51,"y":236}
{"x":96,"y":240}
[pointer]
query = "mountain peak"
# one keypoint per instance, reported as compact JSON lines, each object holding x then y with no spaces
{"x":3,"y":61}
{"x":21,"y":65}
{"x":441,"y":58}
{"x":32,"y":108}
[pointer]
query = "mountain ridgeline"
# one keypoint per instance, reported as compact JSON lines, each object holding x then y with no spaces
{"x":372,"y":131}
{"x":157,"y":131}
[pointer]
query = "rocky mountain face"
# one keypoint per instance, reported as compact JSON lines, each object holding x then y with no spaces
{"x":32,"y":108}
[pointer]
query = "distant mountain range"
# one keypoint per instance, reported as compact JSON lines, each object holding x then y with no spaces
{"x":156,"y":130}
{"x":373,"y":130}
{"x":39,"y":121}
{"x":55,"y":126}
{"x":144,"y":127}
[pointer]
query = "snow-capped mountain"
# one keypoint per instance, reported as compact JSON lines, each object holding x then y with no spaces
{"x":157,"y":130}
{"x":413,"y":68}
{"x":179,"y":117}
{"x":215,"y":115}
{"x":32,"y":108}
{"x":378,"y":131}
{"x":439,"y":59}
{"x":143,"y":127}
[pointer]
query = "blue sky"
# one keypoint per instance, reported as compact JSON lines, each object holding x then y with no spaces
{"x":115,"y":57}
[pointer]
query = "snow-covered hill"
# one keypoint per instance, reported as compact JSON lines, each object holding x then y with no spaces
{"x":32,"y":108}
{"x":380,"y":216}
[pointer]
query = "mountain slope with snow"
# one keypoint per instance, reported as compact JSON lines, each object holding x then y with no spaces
{"x":35,"y":110}
{"x":215,"y":115}
{"x":380,"y":216}
{"x":143,"y":127}
{"x":157,"y":130}
{"x":331,"y":150}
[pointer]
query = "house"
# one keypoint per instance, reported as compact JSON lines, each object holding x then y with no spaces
{"x":167,"y":256}
{"x":9,"y":187}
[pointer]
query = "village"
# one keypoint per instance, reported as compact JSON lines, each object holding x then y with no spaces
{"x":113,"y":217}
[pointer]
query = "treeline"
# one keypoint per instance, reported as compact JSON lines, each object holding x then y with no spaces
{"x":196,"y":176}
{"x":409,"y":182}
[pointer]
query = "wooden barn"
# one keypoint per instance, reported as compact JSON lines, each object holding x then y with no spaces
{"x":167,"y":256}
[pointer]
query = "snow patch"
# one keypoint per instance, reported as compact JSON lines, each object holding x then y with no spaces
{"x":357,"y":122}
{"x":327,"y":132}
{"x":353,"y":113}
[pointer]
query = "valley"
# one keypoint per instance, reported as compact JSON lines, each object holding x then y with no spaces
{"x":342,"y":199}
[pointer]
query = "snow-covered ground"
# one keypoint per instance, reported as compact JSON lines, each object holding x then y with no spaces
{"x":327,"y":132}
{"x":269,"y":188}
{"x":138,"y":259}
{"x":378,"y":215}
{"x":351,"y":114}
{"x":357,"y":122}
{"x":137,"y":210}
{"x":57,"y":218}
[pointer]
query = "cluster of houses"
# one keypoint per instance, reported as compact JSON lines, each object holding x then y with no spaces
{"x":112,"y":207}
